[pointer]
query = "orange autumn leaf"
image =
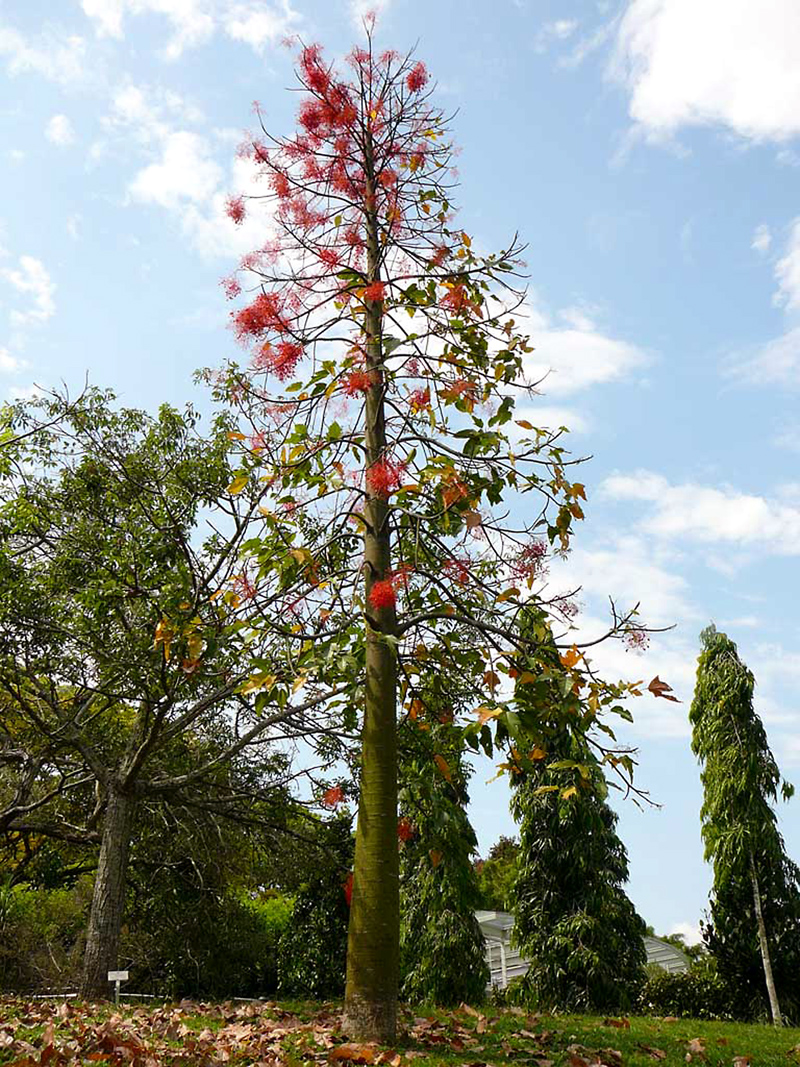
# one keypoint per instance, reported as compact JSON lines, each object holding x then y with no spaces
{"x":443,"y":766}
{"x":661,"y":689}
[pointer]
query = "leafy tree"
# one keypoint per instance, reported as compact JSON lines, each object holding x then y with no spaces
{"x":378,"y":412}
{"x":442,"y":949}
{"x":124,"y":639}
{"x":498,"y":873}
{"x":755,"y":904}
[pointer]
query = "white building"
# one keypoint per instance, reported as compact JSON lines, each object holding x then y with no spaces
{"x":506,"y":963}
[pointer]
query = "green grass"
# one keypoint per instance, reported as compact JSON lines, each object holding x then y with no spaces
{"x":307,"y":1034}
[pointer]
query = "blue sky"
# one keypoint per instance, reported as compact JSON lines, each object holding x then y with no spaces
{"x":648,"y":153}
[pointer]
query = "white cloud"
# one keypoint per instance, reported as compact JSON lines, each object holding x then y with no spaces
{"x":59,"y":131}
{"x":258,"y":24}
{"x":575,"y":356}
{"x":8,"y":363}
{"x":710,"y":515}
{"x":194,"y":22}
{"x":550,"y":417}
{"x":182,"y":175}
{"x":361,"y":9}
{"x":787,"y":271}
{"x":16,"y":155}
{"x":762,"y":239}
{"x":691,"y":932}
{"x":185,"y":172}
{"x":732,"y":63}
{"x":557,"y":30}
{"x":775,"y":363}
{"x":61,"y":58}
{"x":32,"y":280}
{"x":74,"y":227}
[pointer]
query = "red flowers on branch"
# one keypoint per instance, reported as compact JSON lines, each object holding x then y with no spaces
{"x":384,"y":476}
{"x":235,"y":209}
{"x":382,"y":594}
{"x":417,"y":78}
{"x":375,"y":293}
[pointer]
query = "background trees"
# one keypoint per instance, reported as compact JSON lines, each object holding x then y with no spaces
{"x":754,"y":932}
{"x":126,"y":672}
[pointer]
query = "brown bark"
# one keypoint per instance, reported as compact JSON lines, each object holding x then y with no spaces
{"x":108,"y":898}
{"x":373,"y":945}
{"x":774,"y":1005}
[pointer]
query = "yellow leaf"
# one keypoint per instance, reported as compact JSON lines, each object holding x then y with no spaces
{"x":298,"y":683}
{"x":527,"y":678}
{"x":466,"y":240}
{"x":235,"y":436}
{"x":524,"y":424}
{"x":570,"y":658}
{"x":238,"y":484}
{"x":538,"y":753}
{"x":570,"y":792}
{"x":258,"y":681}
{"x":509,"y":594}
{"x":443,"y":766}
{"x":484,"y":714}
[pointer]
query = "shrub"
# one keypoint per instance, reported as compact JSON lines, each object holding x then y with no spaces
{"x":41,"y":936}
{"x":698,"y":993}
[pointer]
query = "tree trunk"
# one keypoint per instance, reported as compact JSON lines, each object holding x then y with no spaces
{"x":373,"y":944}
{"x":774,"y":1006}
{"x":108,"y":898}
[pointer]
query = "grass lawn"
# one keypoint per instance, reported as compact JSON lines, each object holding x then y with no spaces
{"x":55,"y":1033}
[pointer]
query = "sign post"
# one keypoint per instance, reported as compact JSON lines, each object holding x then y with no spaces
{"x":116,"y":977}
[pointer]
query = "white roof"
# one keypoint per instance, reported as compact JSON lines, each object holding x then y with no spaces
{"x":506,"y":963}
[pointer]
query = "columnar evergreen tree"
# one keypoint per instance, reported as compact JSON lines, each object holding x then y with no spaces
{"x":386,"y":360}
{"x":572,"y":917}
{"x":442,"y":949}
{"x":755,"y":905}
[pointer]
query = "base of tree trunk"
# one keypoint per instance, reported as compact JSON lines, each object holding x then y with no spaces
{"x":369,"y":1020}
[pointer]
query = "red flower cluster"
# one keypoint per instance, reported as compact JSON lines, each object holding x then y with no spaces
{"x":329,"y":256}
{"x":417,"y":78}
{"x":231,"y":287}
{"x":357,"y":381}
{"x":235,"y":209}
{"x":333,"y":797}
{"x":280,"y":360}
{"x":530,"y":560}
{"x":420,"y":398}
{"x":384,"y":476}
{"x":458,"y":570}
{"x":375,"y":292}
{"x":264,"y":314}
{"x":382,"y":594}
{"x":405,"y":828}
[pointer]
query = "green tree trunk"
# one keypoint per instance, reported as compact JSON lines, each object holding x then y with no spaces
{"x":108,"y":898}
{"x":374,"y":930}
{"x":774,"y":1005}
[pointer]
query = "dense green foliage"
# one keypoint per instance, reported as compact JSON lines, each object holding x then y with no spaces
{"x":497,"y":875}
{"x":698,"y":993}
{"x":442,"y":949}
{"x":572,"y":918}
{"x":313,"y":947}
{"x":741,"y":783}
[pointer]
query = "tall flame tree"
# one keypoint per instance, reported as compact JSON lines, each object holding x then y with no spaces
{"x":376,"y":417}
